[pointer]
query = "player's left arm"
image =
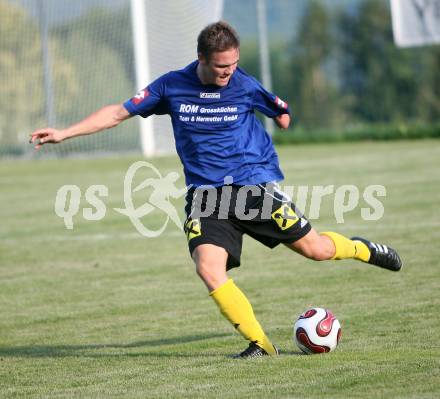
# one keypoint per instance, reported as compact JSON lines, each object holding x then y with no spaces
{"x":270,"y":105}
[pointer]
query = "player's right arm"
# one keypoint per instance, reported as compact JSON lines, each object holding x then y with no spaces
{"x":105,"y":118}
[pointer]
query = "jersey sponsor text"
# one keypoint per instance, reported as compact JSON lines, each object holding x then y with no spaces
{"x":209,"y":95}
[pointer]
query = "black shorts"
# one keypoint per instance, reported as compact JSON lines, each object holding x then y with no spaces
{"x":221,"y":216}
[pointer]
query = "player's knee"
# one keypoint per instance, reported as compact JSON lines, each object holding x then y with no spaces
{"x":210,"y":271}
{"x":202,"y":270}
{"x":212,"y":278}
{"x":210,"y":263}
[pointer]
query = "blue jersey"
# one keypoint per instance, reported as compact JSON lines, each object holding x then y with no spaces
{"x":216,"y":131}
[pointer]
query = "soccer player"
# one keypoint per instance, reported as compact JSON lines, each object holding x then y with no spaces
{"x":230,"y":164}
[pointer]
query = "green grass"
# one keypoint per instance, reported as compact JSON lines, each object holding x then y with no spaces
{"x":101,"y":312}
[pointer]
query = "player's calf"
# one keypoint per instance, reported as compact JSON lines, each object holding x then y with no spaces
{"x":314,"y":246}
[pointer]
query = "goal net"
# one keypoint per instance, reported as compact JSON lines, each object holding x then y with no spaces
{"x":61,"y":60}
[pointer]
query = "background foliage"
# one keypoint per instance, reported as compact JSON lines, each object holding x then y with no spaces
{"x":339,"y":69}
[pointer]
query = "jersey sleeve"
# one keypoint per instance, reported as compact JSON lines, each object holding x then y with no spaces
{"x":267,"y":103}
{"x":148,"y":101}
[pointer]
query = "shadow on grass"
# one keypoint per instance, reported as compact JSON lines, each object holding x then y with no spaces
{"x":93,"y":350}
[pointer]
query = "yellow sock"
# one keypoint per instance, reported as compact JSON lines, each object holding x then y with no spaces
{"x":234,"y":305}
{"x":348,"y":249}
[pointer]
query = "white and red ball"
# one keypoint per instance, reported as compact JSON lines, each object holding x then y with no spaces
{"x":317,"y":331}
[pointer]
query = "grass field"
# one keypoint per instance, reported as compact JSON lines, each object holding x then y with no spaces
{"x":99,"y":311}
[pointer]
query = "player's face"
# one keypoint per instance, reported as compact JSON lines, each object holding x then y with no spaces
{"x":220,"y":67}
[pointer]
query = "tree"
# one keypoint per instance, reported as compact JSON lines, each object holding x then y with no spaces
{"x":92,"y":69}
{"x":279,"y":65}
{"x":20,"y":68}
{"x":385,"y":83}
{"x":102,"y":28}
{"x":21,"y":72}
{"x":101,"y":57}
{"x":315,"y":97}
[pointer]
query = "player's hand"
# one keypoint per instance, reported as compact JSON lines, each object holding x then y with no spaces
{"x":282,"y":121}
{"x":44,"y":136}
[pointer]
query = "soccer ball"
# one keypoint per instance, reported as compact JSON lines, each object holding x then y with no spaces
{"x":317,"y":331}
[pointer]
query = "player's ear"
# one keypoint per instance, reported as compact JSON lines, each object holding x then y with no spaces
{"x":202,"y":59}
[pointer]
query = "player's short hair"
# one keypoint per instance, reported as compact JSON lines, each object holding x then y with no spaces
{"x":216,"y":37}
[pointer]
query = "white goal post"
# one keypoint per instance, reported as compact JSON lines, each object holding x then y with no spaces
{"x":164,"y":36}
